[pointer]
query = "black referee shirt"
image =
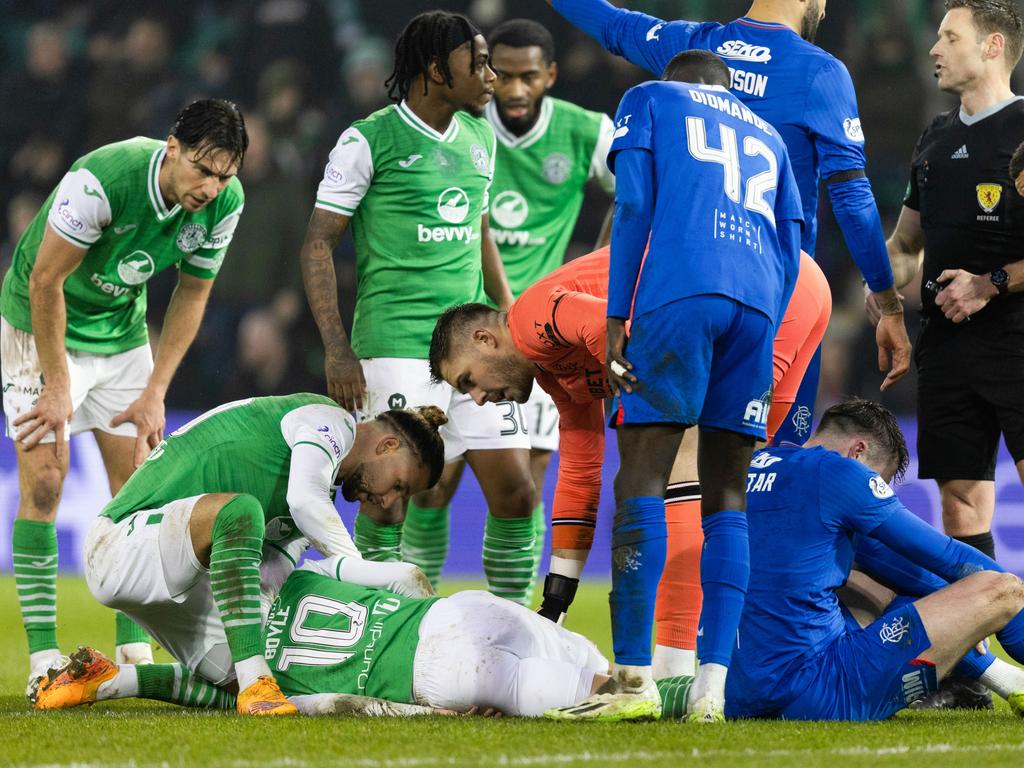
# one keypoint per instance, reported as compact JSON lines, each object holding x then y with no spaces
{"x":971,"y":214}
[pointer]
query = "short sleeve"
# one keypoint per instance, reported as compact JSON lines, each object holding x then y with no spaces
{"x":853,"y":496}
{"x":834,"y":120}
{"x":788,"y":206}
{"x":912,"y":197}
{"x":205,"y":262}
{"x":599,"y":169}
{"x":633,"y":124}
{"x":490,"y":174}
{"x":329,"y":428}
{"x":347,"y":175}
{"x":80,"y":209}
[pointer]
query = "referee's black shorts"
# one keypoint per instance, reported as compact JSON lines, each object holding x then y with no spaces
{"x":970,"y":390}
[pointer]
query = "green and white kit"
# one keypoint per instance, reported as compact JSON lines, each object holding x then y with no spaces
{"x":282,"y":451}
{"x":537,"y":193}
{"x":109,"y":203}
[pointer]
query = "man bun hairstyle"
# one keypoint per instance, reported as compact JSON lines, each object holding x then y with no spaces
{"x":428,"y":38}
{"x":697,"y":66}
{"x":991,"y":16}
{"x":870,"y":419}
{"x":450,"y":329}
{"x":210,"y":125}
{"x":419,"y":427}
{"x":524,"y":33}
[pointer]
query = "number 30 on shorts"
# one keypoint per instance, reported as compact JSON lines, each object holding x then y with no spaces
{"x":512,"y":418}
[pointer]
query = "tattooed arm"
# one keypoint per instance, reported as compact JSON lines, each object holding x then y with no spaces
{"x":345,"y":382}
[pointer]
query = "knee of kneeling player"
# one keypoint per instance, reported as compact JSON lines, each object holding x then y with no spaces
{"x":241,"y":516}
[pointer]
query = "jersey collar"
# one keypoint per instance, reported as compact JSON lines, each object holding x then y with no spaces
{"x":414,"y":122}
{"x":155,"y":198}
{"x":763,"y":24}
{"x":531,"y":137}
{"x":977,"y":117}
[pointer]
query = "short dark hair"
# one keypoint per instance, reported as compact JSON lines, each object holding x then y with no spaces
{"x":991,"y":16}
{"x":1017,"y":162}
{"x":697,"y":66}
{"x":866,"y":417}
{"x":524,"y":33}
{"x":418,"y":426}
{"x":210,"y":125}
{"x":427,"y":38}
{"x":452,"y":324}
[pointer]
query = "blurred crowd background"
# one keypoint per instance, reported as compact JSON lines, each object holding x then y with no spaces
{"x":77,"y":75}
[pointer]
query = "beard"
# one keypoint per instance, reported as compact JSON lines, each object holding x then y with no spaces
{"x":811,"y":21}
{"x":520,"y":125}
{"x":520,"y":379}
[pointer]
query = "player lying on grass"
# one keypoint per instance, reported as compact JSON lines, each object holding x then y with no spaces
{"x":336,"y":647}
{"x":228,"y":502}
{"x":797,"y":657}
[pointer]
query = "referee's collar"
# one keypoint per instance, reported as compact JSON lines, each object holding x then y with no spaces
{"x":977,"y":117}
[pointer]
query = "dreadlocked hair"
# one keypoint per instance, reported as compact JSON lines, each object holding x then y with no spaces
{"x":427,"y":39}
{"x":418,"y":426}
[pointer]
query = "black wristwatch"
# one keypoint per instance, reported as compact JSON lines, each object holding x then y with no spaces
{"x":1001,"y":280}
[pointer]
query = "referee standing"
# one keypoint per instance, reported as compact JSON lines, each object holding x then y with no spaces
{"x":963,"y":210}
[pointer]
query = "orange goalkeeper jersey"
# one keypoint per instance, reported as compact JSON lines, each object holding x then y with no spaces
{"x":559,"y":323}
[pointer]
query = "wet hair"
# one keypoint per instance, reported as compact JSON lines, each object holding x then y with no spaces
{"x":418,"y":428}
{"x":697,"y":66}
{"x":868,"y":418}
{"x":524,"y":33}
{"x":450,"y":328}
{"x":991,"y":16}
{"x":1017,"y":162}
{"x":429,"y":38}
{"x":211,"y":125}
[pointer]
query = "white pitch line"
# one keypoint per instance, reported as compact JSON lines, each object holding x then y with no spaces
{"x":568,"y":758}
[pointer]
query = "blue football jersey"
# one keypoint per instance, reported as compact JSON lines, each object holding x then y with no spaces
{"x":806,"y":93}
{"x":804,"y":509}
{"x":722,"y":181}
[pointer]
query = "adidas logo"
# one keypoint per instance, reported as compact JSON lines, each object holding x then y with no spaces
{"x":961,"y":154}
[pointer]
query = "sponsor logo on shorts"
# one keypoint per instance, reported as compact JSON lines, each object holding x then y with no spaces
{"x":279,"y":529}
{"x":853,"y":129}
{"x":740,"y":50}
{"x":896,"y":631}
{"x":480,"y":159}
{"x":756,"y":413}
{"x":556,"y":168}
{"x":191,"y":236}
{"x":652,"y":33}
{"x":397,"y":400}
{"x":879,"y":488}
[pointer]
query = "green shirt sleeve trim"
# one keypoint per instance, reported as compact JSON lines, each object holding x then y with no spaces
{"x":72,"y":238}
{"x":282,"y":551}
{"x":337,"y":568}
{"x":189,"y":269}
{"x":341,"y":208}
{"x":310,"y":442}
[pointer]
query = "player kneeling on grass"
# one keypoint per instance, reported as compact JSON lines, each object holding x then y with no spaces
{"x":799,"y":654}
{"x":337,"y":644}
{"x":226,"y":504}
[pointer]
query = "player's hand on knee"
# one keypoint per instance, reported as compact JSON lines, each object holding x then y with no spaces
{"x":346,"y":384}
{"x":147,"y":414}
{"x":619,"y":368}
{"x":51,"y":412}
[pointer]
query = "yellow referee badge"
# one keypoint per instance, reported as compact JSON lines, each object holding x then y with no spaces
{"x":989,"y":196}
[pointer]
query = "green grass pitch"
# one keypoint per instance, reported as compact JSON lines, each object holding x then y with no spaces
{"x":144,"y":734}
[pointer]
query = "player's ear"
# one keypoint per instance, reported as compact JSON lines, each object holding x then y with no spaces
{"x":485,"y":337}
{"x":552,"y":74}
{"x":434,"y":74}
{"x":173,"y":147}
{"x":858,"y":450}
{"x":388,"y":444}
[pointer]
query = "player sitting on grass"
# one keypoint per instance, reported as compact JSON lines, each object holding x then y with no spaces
{"x":797,"y":656}
{"x":341,"y":647}
{"x":227,"y":503}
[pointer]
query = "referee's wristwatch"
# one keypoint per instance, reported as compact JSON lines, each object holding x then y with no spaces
{"x":1001,"y":280}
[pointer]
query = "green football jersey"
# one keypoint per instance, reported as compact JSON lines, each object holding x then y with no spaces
{"x":328,"y":636}
{"x":416,"y":197}
{"x":239,"y":447}
{"x":110,"y":203}
{"x":538,"y":185}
